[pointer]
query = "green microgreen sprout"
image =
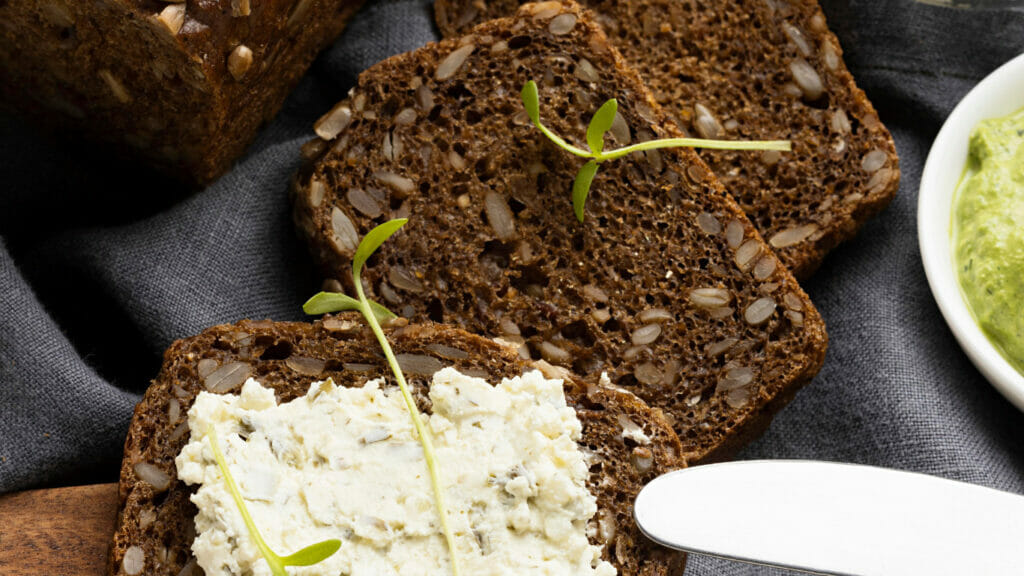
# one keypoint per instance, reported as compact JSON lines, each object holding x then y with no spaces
{"x":333,"y":302}
{"x":600,"y":123}
{"x":325,"y":302}
{"x":308,"y":556}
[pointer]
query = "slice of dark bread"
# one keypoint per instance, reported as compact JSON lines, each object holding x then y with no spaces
{"x":733,"y":69}
{"x":666,"y":285}
{"x":156,"y":522}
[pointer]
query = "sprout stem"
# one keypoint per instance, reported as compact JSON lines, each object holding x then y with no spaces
{"x":272,"y":559}
{"x":373,"y":313}
{"x":781,"y":145}
{"x":562,"y":143}
{"x":421,"y":430}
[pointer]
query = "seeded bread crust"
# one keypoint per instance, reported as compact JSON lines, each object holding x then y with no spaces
{"x":728,"y":69}
{"x":184,"y":85}
{"x":666,"y":285}
{"x":288,"y":357}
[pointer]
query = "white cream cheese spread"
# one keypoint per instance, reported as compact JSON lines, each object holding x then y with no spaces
{"x":346,"y":463}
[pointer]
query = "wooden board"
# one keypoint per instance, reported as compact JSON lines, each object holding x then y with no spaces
{"x":58,"y":531}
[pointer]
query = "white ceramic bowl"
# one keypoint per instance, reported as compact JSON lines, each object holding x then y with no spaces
{"x":999,"y":94}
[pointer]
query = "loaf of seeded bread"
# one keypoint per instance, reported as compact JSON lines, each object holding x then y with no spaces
{"x":183,"y":84}
{"x":756,"y":70}
{"x":155,"y":522}
{"x":666,"y":285}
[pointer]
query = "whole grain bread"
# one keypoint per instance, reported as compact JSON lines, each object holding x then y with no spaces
{"x":666,"y":285}
{"x":182,"y":84}
{"x":753,"y":69}
{"x":156,"y":517}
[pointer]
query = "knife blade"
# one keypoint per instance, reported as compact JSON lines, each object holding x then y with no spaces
{"x":834,"y":518}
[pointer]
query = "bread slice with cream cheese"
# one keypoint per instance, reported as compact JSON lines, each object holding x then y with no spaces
{"x":629,"y":442}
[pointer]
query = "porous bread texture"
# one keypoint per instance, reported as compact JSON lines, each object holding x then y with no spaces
{"x":666,"y":285}
{"x":156,"y":523}
{"x":753,"y":70}
{"x":183,"y":85}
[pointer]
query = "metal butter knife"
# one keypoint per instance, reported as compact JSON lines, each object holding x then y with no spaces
{"x":832,"y":518}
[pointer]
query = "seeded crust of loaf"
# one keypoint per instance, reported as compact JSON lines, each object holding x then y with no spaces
{"x":288,"y":357}
{"x":184,"y":85}
{"x":735,"y":58}
{"x":666,"y":285}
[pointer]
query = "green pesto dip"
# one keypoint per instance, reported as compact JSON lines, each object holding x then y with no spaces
{"x":988,"y":232}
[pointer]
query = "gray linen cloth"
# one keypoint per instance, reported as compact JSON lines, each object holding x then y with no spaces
{"x":103,"y":265}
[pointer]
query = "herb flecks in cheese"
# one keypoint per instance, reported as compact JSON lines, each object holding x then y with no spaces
{"x":346,"y":463}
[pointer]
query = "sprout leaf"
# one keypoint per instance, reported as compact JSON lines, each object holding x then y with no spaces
{"x":313,"y":553}
{"x":581,"y":187}
{"x":601,"y":123}
{"x":373,"y":239}
{"x":531,"y":101}
{"x":325,"y":302}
